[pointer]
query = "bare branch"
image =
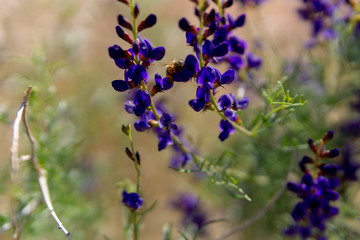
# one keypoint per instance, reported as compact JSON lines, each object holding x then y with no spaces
{"x":267,"y":206}
{"x":41,"y":173}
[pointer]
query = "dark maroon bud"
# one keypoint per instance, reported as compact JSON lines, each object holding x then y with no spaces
{"x":195,"y":1}
{"x":206,"y":5}
{"x":197,"y":12}
{"x":138,"y":158}
{"x":147,"y":22}
{"x":305,"y":160}
{"x":187,"y":27}
{"x":136,"y":11}
{"x":312,"y":145}
{"x":123,"y":35}
{"x":124,"y":22}
{"x":328,"y":136}
{"x":330,"y":153}
{"x":209,"y":18}
{"x":124,"y":1}
{"x":227,"y":4}
{"x":129,"y":154}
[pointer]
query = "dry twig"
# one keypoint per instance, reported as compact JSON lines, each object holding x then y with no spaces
{"x":41,"y":172}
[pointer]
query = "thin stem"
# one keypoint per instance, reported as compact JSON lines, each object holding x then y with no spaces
{"x":134,"y":26}
{"x":152,"y":106}
{"x":267,"y":206}
{"x":201,"y":29}
{"x":236,"y":125}
{"x":135,"y":225}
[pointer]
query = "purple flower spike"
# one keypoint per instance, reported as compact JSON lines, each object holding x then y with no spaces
{"x":226,"y":129}
{"x":148,"y":22}
{"x":132,"y":200}
{"x":142,"y":101}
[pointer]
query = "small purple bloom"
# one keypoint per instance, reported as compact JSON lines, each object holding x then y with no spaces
{"x":253,"y":61}
{"x":132,"y":200}
{"x":226,"y":129}
{"x":164,"y":138}
{"x":224,"y":102}
{"x":138,"y":73}
{"x":198,"y":104}
{"x":142,"y":101}
{"x":148,"y":52}
{"x":191,"y":67}
{"x":121,"y":85}
{"x":166,"y":121}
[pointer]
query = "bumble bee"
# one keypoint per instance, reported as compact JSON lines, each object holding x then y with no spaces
{"x":173,"y":67}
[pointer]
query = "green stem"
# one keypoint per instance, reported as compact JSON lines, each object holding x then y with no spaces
{"x":135,"y":225}
{"x":134,"y":30}
{"x":152,"y":106}
{"x":237,"y":126}
{"x":201,"y":29}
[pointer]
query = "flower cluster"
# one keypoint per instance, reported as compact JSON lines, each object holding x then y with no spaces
{"x":135,"y":61}
{"x":323,"y":15}
{"x":316,"y":191}
{"x":212,"y":42}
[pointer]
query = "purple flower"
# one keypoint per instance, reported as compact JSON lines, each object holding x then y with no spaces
{"x":226,"y":129}
{"x":191,"y":67}
{"x":142,"y":101}
{"x":138,"y":73}
{"x":202,"y":98}
{"x":315,"y":193}
{"x":206,"y":78}
{"x":210,"y":51}
{"x":253,"y":61}
{"x":121,"y":85}
{"x":164,"y":138}
{"x":191,"y":209}
{"x":162,"y":84}
{"x":166,"y":121}
{"x":132,"y":200}
{"x":148,"y":53}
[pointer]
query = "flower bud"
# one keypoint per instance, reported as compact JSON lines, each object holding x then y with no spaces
{"x":148,"y":22}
